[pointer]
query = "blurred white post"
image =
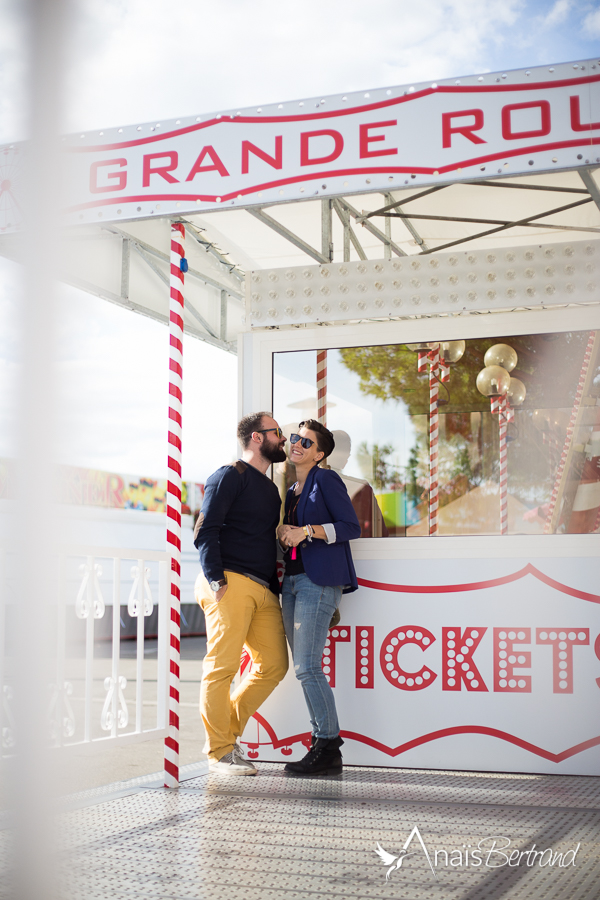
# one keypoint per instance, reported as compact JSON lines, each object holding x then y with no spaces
{"x":35,"y":524}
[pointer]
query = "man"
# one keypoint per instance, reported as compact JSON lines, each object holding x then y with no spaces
{"x":238,"y":591}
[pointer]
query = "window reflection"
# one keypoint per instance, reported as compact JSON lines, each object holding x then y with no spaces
{"x":378,"y":406}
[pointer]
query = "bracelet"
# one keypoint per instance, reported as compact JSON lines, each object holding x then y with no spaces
{"x":308,"y":531}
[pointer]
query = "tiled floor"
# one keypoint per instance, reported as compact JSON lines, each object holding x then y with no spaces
{"x":279,"y":838}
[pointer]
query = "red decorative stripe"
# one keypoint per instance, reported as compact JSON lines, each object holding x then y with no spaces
{"x":173,"y":414}
{"x":173,"y":489}
{"x":173,"y":464}
{"x":174,"y":668}
{"x":170,"y":768}
{"x":175,"y":616}
{"x":172,"y":744}
{"x":173,"y":539}
{"x":174,"y":693}
{"x":178,"y":296}
{"x":175,"y":367}
{"x":175,"y":441}
{"x":434,"y":736}
{"x":175,"y":342}
{"x":479,"y":585}
{"x":173,"y":514}
{"x":173,"y":719}
{"x":176,"y":392}
{"x":175,"y":567}
{"x":175,"y":643}
{"x":334,"y":173}
{"x":382,"y":104}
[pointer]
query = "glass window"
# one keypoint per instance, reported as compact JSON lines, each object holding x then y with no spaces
{"x":529,"y":464}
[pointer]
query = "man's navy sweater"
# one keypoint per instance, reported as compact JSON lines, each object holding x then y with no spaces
{"x":236,"y":528}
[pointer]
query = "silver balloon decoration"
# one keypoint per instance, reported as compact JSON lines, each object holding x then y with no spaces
{"x":501,"y":355}
{"x":493,"y":381}
{"x":452,"y":351}
{"x":516,"y":392}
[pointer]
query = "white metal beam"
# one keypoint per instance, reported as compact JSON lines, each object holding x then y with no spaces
{"x":288,"y":235}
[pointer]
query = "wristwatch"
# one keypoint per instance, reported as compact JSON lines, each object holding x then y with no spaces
{"x":217,"y":585}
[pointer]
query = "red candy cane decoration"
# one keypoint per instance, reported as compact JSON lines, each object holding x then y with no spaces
{"x":434,"y":366}
{"x":502,"y":423}
{"x":570,"y":430}
{"x":174,"y":497}
{"x":322,"y":386}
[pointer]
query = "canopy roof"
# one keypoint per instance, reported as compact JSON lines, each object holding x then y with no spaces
{"x":478,"y":202}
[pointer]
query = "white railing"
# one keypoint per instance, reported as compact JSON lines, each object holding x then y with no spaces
{"x":103,"y":689}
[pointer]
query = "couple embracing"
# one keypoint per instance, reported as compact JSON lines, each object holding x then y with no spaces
{"x":238,"y":588}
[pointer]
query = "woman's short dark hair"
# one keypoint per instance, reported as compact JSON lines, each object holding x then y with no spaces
{"x":325,"y":441}
{"x":249,"y":424}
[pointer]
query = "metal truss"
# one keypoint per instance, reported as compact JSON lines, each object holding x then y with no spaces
{"x":151,"y":257}
{"x":194,"y":231}
{"x":393,"y":210}
{"x":296,"y":240}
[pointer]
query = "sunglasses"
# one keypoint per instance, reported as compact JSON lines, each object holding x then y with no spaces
{"x":306,"y":442}
{"x":278,"y":431}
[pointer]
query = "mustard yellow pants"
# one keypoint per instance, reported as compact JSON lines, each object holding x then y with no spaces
{"x":248,"y":615}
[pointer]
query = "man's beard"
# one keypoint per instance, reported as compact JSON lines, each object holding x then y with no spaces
{"x":273,"y":452}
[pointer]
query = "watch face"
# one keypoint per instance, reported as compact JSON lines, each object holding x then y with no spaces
{"x":215,"y":585}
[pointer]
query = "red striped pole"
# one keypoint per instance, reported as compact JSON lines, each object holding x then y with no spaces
{"x":434,"y":368}
{"x":174,"y":497}
{"x":502,"y":424}
{"x":570,"y":431}
{"x":322,"y":386}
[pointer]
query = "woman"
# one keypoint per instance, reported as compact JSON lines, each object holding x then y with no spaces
{"x":319,"y":522}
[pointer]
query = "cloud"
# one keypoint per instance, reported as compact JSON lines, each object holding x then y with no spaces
{"x":591,"y":24}
{"x":558,"y":13}
{"x":132,"y":62}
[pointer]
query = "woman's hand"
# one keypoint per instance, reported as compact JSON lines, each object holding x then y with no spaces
{"x":290,"y":536}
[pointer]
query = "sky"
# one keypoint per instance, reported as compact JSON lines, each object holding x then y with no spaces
{"x":132,"y":61}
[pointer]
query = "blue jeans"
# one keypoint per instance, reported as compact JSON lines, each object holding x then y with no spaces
{"x":307,"y":610}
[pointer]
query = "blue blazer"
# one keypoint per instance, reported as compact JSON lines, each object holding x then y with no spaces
{"x":324,"y":499}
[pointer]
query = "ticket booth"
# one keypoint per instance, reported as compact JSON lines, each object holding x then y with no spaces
{"x":418,"y":267}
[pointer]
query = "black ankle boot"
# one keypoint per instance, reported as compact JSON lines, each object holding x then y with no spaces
{"x":323,"y":758}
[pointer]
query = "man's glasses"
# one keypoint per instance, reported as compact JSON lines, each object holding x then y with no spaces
{"x":306,"y":442}
{"x":278,"y":431}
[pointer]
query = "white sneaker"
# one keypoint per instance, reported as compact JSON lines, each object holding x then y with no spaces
{"x":232,"y":764}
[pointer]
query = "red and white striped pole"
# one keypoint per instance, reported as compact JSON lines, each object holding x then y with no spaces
{"x":322,"y":387}
{"x":502,"y":424}
{"x":434,"y":369}
{"x":174,"y":497}
{"x":570,"y":431}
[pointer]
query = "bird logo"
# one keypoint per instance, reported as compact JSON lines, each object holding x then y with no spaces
{"x":388,"y":859}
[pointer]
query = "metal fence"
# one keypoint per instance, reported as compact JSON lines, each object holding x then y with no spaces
{"x":107,"y":658}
